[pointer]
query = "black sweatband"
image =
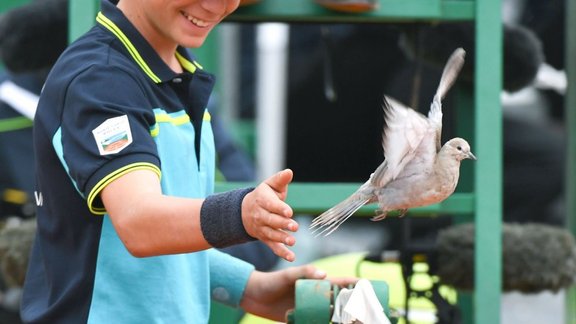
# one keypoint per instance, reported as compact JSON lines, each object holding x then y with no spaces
{"x":221,"y":218}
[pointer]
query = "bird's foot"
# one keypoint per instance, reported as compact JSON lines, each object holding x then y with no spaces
{"x":402,"y":212}
{"x":380,"y":215}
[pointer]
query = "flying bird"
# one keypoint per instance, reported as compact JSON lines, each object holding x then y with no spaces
{"x":417,"y":170}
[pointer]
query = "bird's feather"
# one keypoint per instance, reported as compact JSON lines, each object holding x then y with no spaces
{"x":449,"y":75}
{"x":404,"y":130}
{"x":335,"y":216}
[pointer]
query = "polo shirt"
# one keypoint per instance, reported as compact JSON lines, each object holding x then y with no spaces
{"x":110,"y":106}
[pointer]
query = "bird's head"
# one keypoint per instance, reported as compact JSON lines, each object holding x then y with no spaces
{"x":459,"y":149}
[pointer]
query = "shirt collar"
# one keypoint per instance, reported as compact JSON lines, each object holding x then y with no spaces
{"x":113,"y":20}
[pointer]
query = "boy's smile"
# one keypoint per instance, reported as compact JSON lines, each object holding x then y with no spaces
{"x":195,"y":21}
{"x":167,"y":24}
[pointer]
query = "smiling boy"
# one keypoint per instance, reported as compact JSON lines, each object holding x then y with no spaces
{"x":126,"y":213}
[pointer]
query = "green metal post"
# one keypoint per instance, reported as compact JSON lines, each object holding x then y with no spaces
{"x":81,"y":17}
{"x":570,"y":103}
{"x":465,"y":128}
{"x":488,"y":177}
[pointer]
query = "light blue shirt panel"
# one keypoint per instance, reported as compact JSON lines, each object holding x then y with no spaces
{"x":208,"y":149}
{"x":59,"y":149}
{"x":175,"y":145}
{"x":163,"y":289}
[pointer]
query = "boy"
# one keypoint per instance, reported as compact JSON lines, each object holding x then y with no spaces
{"x":125,"y":167}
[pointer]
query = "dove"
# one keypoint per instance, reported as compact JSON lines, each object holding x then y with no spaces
{"x":417,"y":170}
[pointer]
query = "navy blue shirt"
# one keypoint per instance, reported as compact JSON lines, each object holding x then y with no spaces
{"x":111,"y":105}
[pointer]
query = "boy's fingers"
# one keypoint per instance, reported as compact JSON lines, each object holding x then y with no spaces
{"x":277,"y":236}
{"x":277,"y":207}
{"x":280,"y":180}
{"x":282,"y":251}
{"x":305,"y":272}
{"x":280,"y":222}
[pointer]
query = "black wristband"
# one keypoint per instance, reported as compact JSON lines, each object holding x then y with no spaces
{"x":221,"y":219}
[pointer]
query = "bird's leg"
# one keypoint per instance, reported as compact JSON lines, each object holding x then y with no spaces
{"x":380,"y":215}
{"x":403,"y":212}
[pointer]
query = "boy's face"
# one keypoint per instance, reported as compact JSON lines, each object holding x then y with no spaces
{"x":176,"y":22}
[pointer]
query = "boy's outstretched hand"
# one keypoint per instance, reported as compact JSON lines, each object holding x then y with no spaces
{"x":267,"y":217}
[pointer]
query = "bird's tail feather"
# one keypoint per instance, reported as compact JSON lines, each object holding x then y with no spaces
{"x":450,"y":73}
{"x":331,"y":219}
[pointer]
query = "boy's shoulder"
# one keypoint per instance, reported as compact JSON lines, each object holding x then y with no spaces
{"x":94,"y":51}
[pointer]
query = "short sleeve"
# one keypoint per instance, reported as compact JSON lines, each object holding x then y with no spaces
{"x":105,"y":130}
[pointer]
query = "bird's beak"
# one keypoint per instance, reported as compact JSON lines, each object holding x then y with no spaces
{"x":471,"y":156}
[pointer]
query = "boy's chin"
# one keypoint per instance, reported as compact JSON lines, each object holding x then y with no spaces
{"x":193,"y":42}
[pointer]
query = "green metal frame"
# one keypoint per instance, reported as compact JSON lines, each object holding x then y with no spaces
{"x":488,"y":176}
{"x":571,"y":129}
{"x":315,"y":198}
{"x":309,"y":11}
{"x":484,"y":203}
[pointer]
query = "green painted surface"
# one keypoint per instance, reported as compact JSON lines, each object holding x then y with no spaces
{"x":488,"y":177}
{"x":570,"y":105}
{"x":315,"y":198}
{"x":390,"y":10}
{"x":82,"y":17}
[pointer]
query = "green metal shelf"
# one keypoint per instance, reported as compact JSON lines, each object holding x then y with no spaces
{"x":315,"y":198}
{"x":482,"y":124}
{"x":390,"y":10}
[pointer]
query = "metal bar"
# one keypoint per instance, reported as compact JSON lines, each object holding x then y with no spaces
{"x":390,"y":10}
{"x":314,"y":198}
{"x":570,"y":104}
{"x":488,"y":177}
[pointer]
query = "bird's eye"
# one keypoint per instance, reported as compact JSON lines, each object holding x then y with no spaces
{"x":459,"y":148}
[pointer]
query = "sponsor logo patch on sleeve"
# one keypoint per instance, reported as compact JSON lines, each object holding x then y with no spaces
{"x":113,"y":135}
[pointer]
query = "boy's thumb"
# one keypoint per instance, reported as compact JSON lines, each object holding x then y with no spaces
{"x":280,"y":180}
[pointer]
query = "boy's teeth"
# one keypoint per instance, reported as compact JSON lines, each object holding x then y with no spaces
{"x":197,"y":21}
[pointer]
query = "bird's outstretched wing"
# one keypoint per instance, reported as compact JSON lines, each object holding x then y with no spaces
{"x":449,"y":75}
{"x":404,"y":130}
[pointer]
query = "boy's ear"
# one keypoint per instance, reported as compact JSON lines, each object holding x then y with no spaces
{"x":34,"y":35}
